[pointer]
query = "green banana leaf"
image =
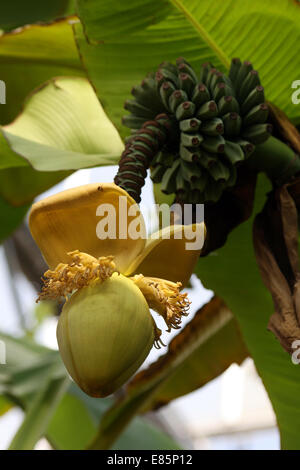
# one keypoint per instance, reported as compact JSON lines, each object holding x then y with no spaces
{"x":17,"y":13}
{"x":32,"y":55}
{"x":126,"y":41}
{"x":11,"y":217}
{"x":61,"y":129}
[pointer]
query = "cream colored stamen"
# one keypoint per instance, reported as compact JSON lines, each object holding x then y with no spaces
{"x":165,"y":298}
{"x":79,"y":272}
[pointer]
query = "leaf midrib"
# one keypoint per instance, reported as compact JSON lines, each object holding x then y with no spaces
{"x":201,"y":31}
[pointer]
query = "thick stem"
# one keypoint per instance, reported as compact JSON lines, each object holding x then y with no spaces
{"x":139,"y":151}
{"x":276,"y":159}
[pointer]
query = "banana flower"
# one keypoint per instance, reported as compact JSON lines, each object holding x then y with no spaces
{"x":106,"y":330}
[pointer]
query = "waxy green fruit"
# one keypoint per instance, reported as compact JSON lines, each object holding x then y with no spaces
{"x":104,"y":334}
{"x":210,"y":122}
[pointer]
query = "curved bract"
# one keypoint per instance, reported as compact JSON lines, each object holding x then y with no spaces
{"x":207,"y":125}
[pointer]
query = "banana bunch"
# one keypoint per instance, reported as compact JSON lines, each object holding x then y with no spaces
{"x":216,"y":122}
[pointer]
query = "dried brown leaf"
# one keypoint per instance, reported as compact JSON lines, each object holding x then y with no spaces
{"x":275,"y":234}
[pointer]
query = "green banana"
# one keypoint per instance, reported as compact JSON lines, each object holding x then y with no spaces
{"x":198,"y":129}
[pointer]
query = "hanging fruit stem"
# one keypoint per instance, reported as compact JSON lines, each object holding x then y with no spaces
{"x":276,"y":159}
{"x":139,"y":151}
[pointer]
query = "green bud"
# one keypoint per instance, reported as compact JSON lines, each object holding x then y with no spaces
{"x":104,"y":334}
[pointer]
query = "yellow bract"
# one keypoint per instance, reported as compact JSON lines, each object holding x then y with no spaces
{"x":168,"y":258}
{"x":67,"y":222}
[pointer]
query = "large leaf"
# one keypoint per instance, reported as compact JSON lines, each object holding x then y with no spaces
{"x":33,"y":378}
{"x":11,"y":217}
{"x":31,"y":55}
{"x":18,"y":187}
{"x":62,"y":128}
{"x":186,"y":361}
{"x":232,"y":272}
{"x":8,"y":158}
{"x":28,"y":57}
{"x":17,"y":12}
{"x":127,"y":40}
{"x":40,"y":411}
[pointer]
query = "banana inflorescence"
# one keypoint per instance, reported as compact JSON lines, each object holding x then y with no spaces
{"x":193,"y":131}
